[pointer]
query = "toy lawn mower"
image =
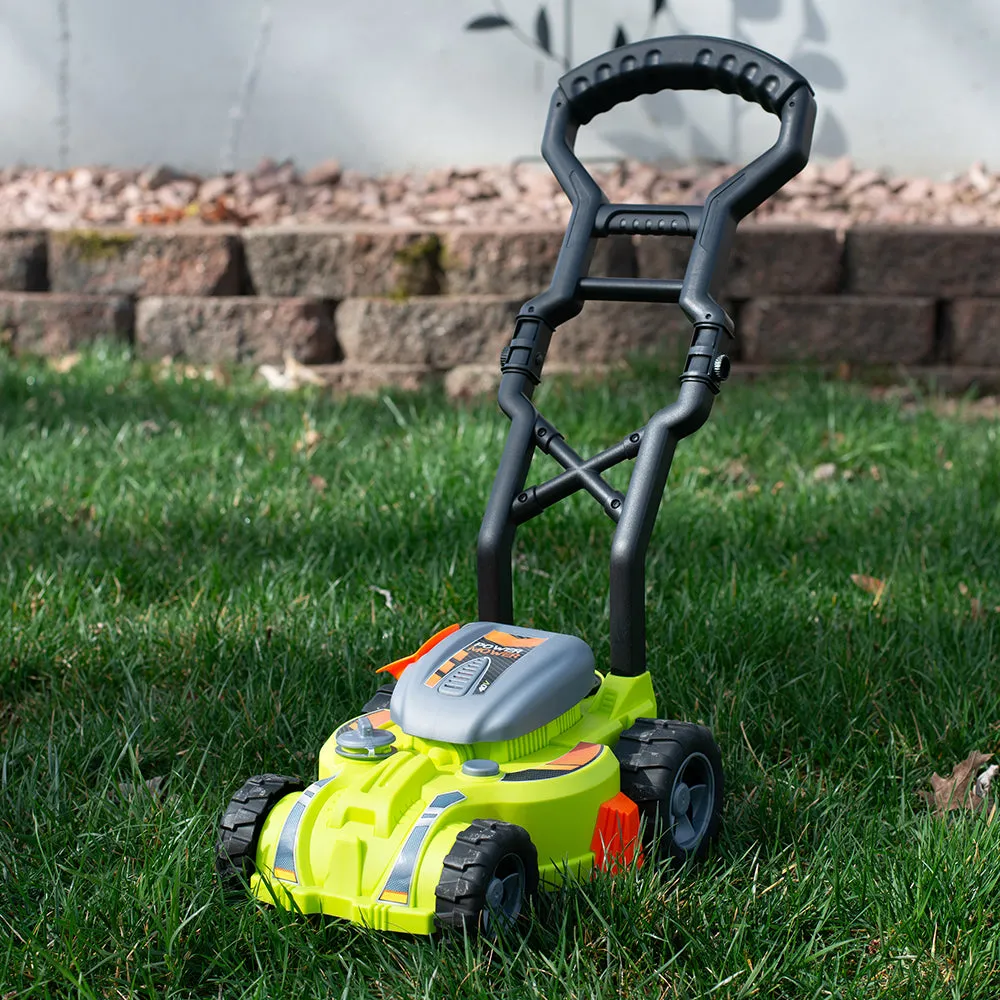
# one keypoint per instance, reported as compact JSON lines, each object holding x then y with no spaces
{"x":501,"y":760}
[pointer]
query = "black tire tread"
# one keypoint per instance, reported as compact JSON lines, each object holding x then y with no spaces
{"x":649,"y":754}
{"x":469,"y":866}
{"x":240,"y":826}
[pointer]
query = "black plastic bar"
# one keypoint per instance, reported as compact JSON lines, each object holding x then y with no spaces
{"x":528,"y":505}
{"x":682,"y":62}
{"x":496,"y":534}
{"x":635,"y":526}
{"x":604,"y":493}
{"x":630,"y":289}
{"x":546,"y":494}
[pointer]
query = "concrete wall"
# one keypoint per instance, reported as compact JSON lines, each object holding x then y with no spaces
{"x":908,"y":85}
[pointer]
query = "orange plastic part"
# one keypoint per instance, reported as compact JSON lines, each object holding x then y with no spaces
{"x":616,"y":835}
{"x":397,"y":667}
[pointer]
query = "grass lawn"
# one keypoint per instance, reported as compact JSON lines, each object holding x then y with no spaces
{"x":194,"y":585}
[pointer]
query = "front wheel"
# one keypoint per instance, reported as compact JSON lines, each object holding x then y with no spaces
{"x":489,"y":878}
{"x":673,"y":772}
{"x":242,"y":822}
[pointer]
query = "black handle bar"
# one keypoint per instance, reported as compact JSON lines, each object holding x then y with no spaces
{"x":684,"y":62}
{"x":687,"y":62}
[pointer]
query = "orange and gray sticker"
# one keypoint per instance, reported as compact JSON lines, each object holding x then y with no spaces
{"x":580,"y":756}
{"x":495,"y":651}
{"x":284,"y":854}
{"x":453,"y":661}
{"x":398,"y":885}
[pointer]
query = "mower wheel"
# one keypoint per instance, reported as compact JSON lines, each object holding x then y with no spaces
{"x":241,"y":823}
{"x":379,"y":701}
{"x":673,"y":772}
{"x":489,"y":879}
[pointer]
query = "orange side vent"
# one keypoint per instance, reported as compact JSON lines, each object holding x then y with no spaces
{"x":397,"y":667}
{"x":616,"y":835}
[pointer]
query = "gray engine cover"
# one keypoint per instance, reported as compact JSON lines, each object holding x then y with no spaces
{"x":489,"y":682}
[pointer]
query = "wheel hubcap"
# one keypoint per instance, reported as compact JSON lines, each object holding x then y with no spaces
{"x":682,"y":799}
{"x":504,"y":894}
{"x":691,"y":801}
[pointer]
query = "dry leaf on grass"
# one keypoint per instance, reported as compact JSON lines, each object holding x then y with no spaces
{"x":827,"y":470}
{"x":294,"y":376}
{"x":310,"y":439}
{"x":308,"y":442}
{"x":871,"y":584}
{"x":386,"y":595}
{"x":735,"y":471}
{"x":65,"y":362}
{"x":84,"y":514}
{"x":958,"y":791}
{"x":218,"y":374}
{"x":983,"y":782}
{"x":976,"y":610}
{"x":273,"y":377}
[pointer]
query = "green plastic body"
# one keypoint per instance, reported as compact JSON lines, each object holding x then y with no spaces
{"x":367,"y":840}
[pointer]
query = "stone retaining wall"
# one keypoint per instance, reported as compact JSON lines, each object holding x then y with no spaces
{"x":371,"y":306}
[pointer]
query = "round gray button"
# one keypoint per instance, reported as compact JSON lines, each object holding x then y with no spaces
{"x":480,"y":768}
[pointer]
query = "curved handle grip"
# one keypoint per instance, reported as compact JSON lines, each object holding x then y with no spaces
{"x":686,"y":61}
{"x":682,"y":62}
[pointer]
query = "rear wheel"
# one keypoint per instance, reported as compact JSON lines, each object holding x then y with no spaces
{"x":489,"y":878}
{"x":241,"y":823}
{"x":673,"y":773}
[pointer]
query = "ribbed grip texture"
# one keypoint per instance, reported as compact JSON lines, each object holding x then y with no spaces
{"x":683,"y":62}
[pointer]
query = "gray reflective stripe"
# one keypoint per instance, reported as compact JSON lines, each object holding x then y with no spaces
{"x":284,"y":854}
{"x":397,"y":885}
